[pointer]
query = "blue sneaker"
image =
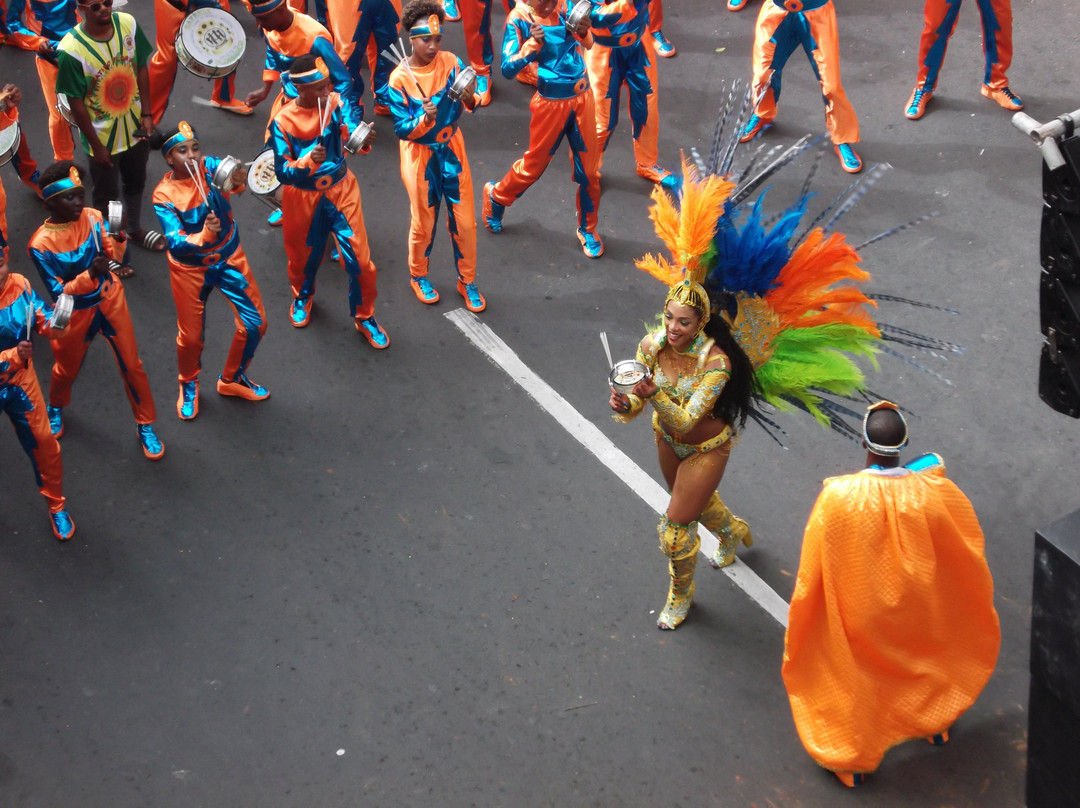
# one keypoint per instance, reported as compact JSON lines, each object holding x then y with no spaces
{"x":474,"y":301}
{"x":451,"y":9}
{"x":187,"y":403}
{"x":153,"y":448}
{"x":754,"y":127}
{"x":62,"y":526}
{"x":591,"y":244}
{"x":483,"y":90}
{"x":491,"y":210}
{"x":424,"y":291}
{"x":274,"y":219}
{"x":242,"y":387}
{"x":916,"y":105}
{"x":373,"y":333}
{"x":56,"y":420}
{"x":663,"y":46}
{"x":300,"y":311}
{"x":849,"y":160}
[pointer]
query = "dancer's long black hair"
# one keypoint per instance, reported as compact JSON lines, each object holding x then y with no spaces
{"x":736,"y":402}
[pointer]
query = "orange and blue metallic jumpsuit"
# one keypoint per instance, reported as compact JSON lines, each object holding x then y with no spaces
{"x":622,"y":53}
{"x":163,"y":64}
{"x":200,"y":260}
{"x":784,"y":25}
{"x":562,"y":106}
{"x":306,"y":35}
{"x":20,"y":394}
{"x":63,"y":253}
{"x":362,"y":30}
{"x":434,"y":165}
{"x":34,"y":23}
{"x":320,"y":200}
{"x":941,"y":17}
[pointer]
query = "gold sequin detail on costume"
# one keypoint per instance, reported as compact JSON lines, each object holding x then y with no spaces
{"x":755,"y":327}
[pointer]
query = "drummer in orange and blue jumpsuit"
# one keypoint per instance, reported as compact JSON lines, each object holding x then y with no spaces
{"x":9,"y":116}
{"x":71,"y":251}
{"x":168,"y":17}
{"x":362,"y":30}
{"x":204,"y":252}
{"x":782,"y":26}
{"x":434,"y":165}
{"x":623,"y":53}
{"x":20,"y":395}
{"x":940,"y":22}
{"x":562,"y":106}
{"x":321,"y":198}
{"x":39,"y":25}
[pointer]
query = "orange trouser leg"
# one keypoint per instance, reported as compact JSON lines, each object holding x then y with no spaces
{"x":768,"y":60}
{"x":840,"y":118}
{"x":298,"y":228}
{"x":574,"y":118}
{"x":187,"y":283}
{"x":3,"y":221}
{"x":69,"y":350}
{"x":476,"y":23}
{"x":347,"y":224}
{"x":606,"y":92}
{"x":24,"y":404}
{"x":63,"y":145}
{"x":423,"y":205}
{"x":634,"y":66}
{"x":656,"y":16}
{"x":162,"y":67}
{"x":997,"y":40}
{"x":939,"y":22}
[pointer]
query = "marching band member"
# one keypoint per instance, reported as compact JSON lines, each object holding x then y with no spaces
{"x":71,"y":251}
{"x":779,"y":32}
{"x":321,"y":197}
{"x":362,"y":30}
{"x":562,"y":106}
{"x":434,"y":166}
{"x":20,"y":394}
{"x":168,"y":17}
{"x":26,"y":166}
{"x":624,"y":53}
{"x":204,"y":252}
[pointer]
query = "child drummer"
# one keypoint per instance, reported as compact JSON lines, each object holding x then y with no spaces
{"x":321,"y":197}
{"x":433,"y":161}
{"x":562,"y":106}
{"x":204,"y":252}
{"x":71,"y":251}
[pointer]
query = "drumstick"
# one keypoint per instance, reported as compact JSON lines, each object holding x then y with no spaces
{"x":401,"y":58}
{"x":198,"y":184}
{"x":29,"y":318}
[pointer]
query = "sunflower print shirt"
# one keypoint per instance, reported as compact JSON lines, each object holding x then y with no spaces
{"x":102,"y":74}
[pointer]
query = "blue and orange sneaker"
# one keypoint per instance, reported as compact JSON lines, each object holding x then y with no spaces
{"x":62,"y":525}
{"x":274,"y":219}
{"x":851,"y":779}
{"x":849,"y":160}
{"x":1003,"y":97}
{"x":663,"y":45}
{"x":242,"y":387}
{"x":56,"y":420}
{"x":424,"y":291}
{"x":737,"y":5}
{"x":187,"y":403}
{"x":153,"y":448}
{"x":300,"y":311}
{"x":491,"y":210}
{"x":474,"y":301}
{"x":453,"y":14}
{"x":483,"y":90}
{"x":373,"y":332}
{"x":916,"y":105}
{"x":591,"y":244}
{"x":940,"y":739}
{"x":754,"y":127}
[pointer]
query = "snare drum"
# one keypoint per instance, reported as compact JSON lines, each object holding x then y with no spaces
{"x":261,"y":178}
{"x":61,"y":314}
{"x":579,"y":12}
{"x":210,"y":43}
{"x":9,"y":142}
{"x":359,"y":137}
{"x":222,"y":179}
{"x":64,"y":108}
{"x":114,"y":217}
{"x":465,"y":79}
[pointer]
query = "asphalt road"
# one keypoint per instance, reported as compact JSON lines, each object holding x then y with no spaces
{"x":400,"y":581}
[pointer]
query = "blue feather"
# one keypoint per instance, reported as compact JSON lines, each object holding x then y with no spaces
{"x":750,"y":257}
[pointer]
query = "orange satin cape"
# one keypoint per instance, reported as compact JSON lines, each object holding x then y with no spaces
{"x":892,"y":631}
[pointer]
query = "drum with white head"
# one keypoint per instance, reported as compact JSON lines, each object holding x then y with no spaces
{"x":210,"y":42}
{"x":61,"y":313}
{"x":10,"y":138}
{"x":359,"y":137}
{"x":261,"y":178}
{"x":223,"y":179}
{"x":114,"y":219}
{"x":579,"y":12}
{"x":465,"y":79}
{"x":626,"y":374}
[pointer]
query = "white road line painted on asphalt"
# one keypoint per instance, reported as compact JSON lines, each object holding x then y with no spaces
{"x":605,"y":451}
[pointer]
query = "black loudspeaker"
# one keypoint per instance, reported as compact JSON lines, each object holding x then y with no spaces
{"x":1053,"y":776}
{"x":1059,"y":286}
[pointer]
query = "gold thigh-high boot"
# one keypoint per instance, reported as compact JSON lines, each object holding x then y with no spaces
{"x":680,"y":543}
{"x":729,"y":529}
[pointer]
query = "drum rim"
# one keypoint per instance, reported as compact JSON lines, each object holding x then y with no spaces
{"x":258,"y":161}
{"x":195,"y":65}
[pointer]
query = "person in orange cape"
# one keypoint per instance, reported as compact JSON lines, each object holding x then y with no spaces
{"x":892,"y":632}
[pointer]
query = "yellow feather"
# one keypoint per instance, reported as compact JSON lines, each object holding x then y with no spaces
{"x":660,"y":268}
{"x":702,"y":206}
{"x":665,"y":218}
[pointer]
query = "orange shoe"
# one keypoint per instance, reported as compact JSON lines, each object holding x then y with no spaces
{"x":235,"y":106}
{"x":940,"y":739}
{"x":1004,"y":98}
{"x":187,"y":403}
{"x":474,"y":301}
{"x":242,"y":387}
{"x":424,"y":291}
{"x":916,"y":105}
{"x":850,"y":779}
{"x":373,"y":332}
{"x":63,"y":527}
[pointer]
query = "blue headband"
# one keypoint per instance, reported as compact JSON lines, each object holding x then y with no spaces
{"x":317,"y":73}
{"x":264,"y":6}
{"x":184,"y":134}
{"x":62,"y":185}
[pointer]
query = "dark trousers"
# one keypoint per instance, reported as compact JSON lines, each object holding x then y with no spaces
{"x":128,"y":170}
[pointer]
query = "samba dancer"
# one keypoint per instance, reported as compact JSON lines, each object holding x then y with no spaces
{"x":434,"y":165}
{"x":562,"y":106}
{"x":204,"y":252}
{"x":168,"y":17}
{"x":321,"y":198}
{"x":778,"y":33}
{"x":290,"y":34}
{"x":103,"y":72}
{"x":71,"y":252}
{"x":20,"y":394}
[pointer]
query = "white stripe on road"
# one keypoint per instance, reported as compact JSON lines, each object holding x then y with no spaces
{"x":605,"y":451}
